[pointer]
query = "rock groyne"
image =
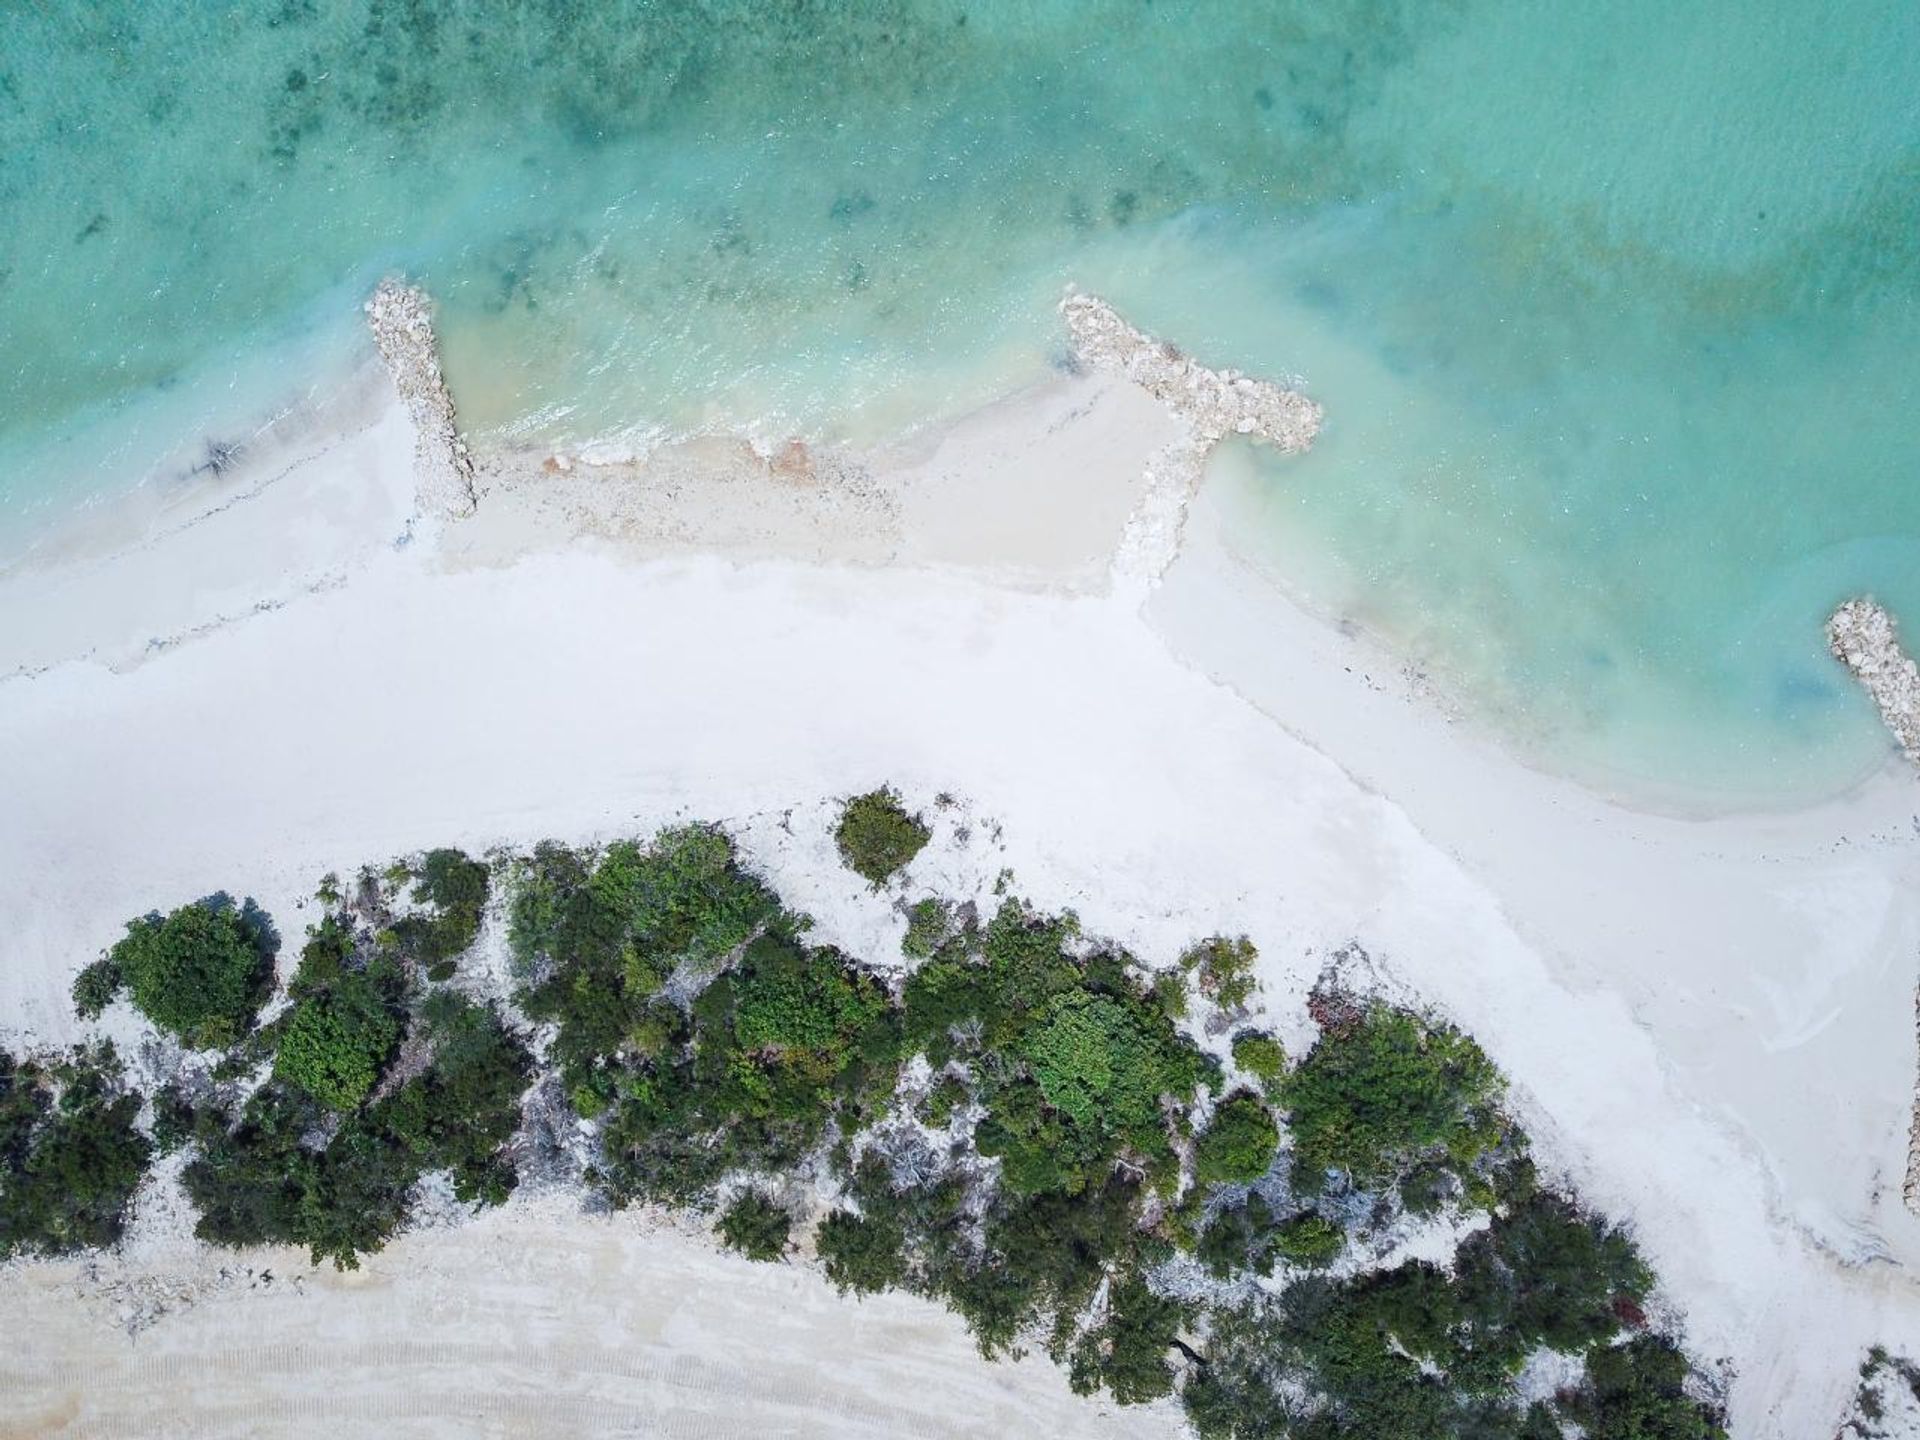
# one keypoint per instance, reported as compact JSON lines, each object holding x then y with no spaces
{"x":1864,"y":638}
{"x":402,"y":325}
{"x":1210,"y":404}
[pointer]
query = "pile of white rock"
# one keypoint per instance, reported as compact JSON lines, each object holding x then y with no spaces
{"x":1210,"y":405}
{"x":402,"y":326}
{"x":1216,"y":403}
{"x":1864,"y":638}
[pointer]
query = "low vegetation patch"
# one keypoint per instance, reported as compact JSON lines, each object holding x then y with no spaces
{"x":877,"y":836}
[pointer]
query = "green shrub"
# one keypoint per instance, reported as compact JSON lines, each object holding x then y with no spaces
{"x":1240,"y":1237}
{"x":1426,"y":1187}
{"x":1238,"y":1147}
{"x":943,"y":1100}
{"x":95,"y":987}
{"x":456,"y":887}
{"x":1309,"y":1239}
{"x":756,"y":1227}
{"x":336,"y":1040}
{"x":464,"y":1110}
{"x":765,"y":1053}
{"x":862,"y":1254}
{"x":877,"y":836}
{"x":329,"y":951}
{"x":201,"y":973}
{"x":1098,"y":1063}
{"x":1634,"y":1392}
{"x":1261,"y":1056}
{"x":792,"y":1002}
{"x":1386,"y":1090}
{"x":173,"y":1119}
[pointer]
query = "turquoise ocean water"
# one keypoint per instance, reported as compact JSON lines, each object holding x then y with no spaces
{"x":1615,"y":308}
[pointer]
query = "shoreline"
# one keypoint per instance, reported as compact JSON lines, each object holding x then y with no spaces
{"x":1696,"y":1014}
{"x":708,"y":491}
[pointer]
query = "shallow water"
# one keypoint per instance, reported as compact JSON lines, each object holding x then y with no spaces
{"x":1613,"y":307}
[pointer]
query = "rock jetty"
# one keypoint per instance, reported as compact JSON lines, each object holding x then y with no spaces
{"x":1210,"y":404}
{"x":402,"y":325}
{"x":1863,"y":637}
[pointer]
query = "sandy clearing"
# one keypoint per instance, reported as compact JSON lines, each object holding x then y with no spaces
{"x":534,"y":1324}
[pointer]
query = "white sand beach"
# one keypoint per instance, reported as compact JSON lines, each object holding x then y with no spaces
{"x":1709,"y":1024}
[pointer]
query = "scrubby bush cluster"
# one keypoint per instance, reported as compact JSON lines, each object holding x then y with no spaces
{"x":70,"y":1155}
{"x":371,"y":1078}
{"x":338,"y":1174}
{"x":1023,"y":1126}
{"x":877,"y":835}
{"x":1222,"y":968}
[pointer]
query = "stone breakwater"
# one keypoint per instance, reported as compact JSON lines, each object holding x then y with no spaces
{"x":402,"y":325}
{"x":1210,"y":404}
{"x":1863,"y":637}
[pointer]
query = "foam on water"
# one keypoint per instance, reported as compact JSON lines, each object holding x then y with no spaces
{"x":1612,"y":308}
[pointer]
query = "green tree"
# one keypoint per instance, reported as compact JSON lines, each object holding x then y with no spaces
{"x":201,"y":972}
{"x":1127,"y":1353}
{"x":1546,"y":1274}
{"x":456,"y":887}
{"x":96,"y":987}
{"x":877,"y":836}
